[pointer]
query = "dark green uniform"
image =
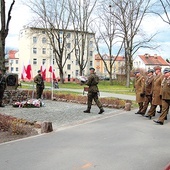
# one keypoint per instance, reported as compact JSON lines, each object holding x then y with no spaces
{"x":2,"y":88}
{"x":93,"y":91}
{"x":39,"y":85}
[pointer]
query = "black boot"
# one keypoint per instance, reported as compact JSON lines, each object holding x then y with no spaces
{"x":87,"y":110}
{"x":101,"y":111}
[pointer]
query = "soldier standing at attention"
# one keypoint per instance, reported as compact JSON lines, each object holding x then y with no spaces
{"x":38,"y":79}
{"x":93,"y":90}
{"x":165,"y":97}
{"x":156,"y":92}
{"x":147,"y":91}
{"x":2,"y":87}
{"x":139,"y":90}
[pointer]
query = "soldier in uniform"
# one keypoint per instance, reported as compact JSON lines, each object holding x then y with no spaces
{"x":156,"y":92}
{"x":165,"y":97}
{"x":147,"y":91}
{"x":93,"y":91}
{"x":139,"y":90}
{"x":2,"y":87}
{"x":38,"y":79}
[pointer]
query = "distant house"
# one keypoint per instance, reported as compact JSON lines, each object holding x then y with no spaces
{"x":118,"y":66}
{"x":147,"y":61}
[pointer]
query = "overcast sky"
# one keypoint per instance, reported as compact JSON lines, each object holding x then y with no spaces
{"x":20,"y":17}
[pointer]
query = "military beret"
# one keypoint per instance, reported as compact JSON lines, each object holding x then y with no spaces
{"x":150,"y":71}
{"x":157,"y":68}
{"x":136,"y":72}
{"x":166,"y":70}
{"x":39,"y":71}
{"x":91,"y":68}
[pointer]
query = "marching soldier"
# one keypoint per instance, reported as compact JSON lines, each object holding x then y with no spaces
{"x":139,"y":90}
{"x":147,"y":91}
{"x":2,"y":87}
{"x":165,"y":97}
{"x":38,"y":79}
{"x":93,"y":91}
{"x":156,"y":92}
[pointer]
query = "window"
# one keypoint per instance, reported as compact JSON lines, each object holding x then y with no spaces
{"x":34,"y":61}
{"x":34,"y":50}
{"x":60,"y":32}
{"x":91,"y":44}
{"x":43,"y":50}
{"x":91,"y":63}
{"x":16,"y":69}
{"x":77,"y":72}
{"x":91,"y":53}
{"x":68,"y":45}
{"x":68,"y":66}
{"x":44,"y":40}
{"x":77,"y":52}
{"x":76,"y":62}
{"x":69,"y":56}
{"x":68,"y":35}
{"x":43,"y":61}
{"x":34,"y":40}
{"x":43,"y":32}
{"x":61,"y":40}
{"x":12,"y":69}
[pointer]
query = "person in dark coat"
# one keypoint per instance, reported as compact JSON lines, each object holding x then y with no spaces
{"x":93,"y":91}
{"x":38,"y":79}
{"x":165,"y":92}
{"x":2,"y":87}
{"x":139,"y":90}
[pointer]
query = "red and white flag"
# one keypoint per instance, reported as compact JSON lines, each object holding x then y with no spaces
{"x":52,"y":71}
{"x":23,"y":74}
{"x":43,"y":71}
{"x":28,"y":71}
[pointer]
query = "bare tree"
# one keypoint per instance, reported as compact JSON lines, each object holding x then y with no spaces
{"x":4,"y":30}
{"x":129,"y":15}
{"x":165,"y":4}
{"x":81,"y":18}
{"x":108,"y":36}
{"x":54,"y":18}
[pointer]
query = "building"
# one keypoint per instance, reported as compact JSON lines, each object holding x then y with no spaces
{"x":118,"y":65}
{"x":12,"y":62}
{"x":35,"y":49}
{"x":147,"y":61}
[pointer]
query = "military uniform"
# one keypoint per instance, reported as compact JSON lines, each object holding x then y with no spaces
{"x":93,"y":91}
{"x":156,"y":94}
{"x":39,"y":85}
{"x":165,"y":92}
{"x":147,"y":91}
{"x":139,"y":90}
{"x":2,"y":87}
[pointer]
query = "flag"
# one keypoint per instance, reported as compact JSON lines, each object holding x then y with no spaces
{"x":23,"y":74}
{"x":28,"y":71}
{"x":43,"y":71}
{"x":52,"y":71}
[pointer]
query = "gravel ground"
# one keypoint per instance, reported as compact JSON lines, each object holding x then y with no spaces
{"x":61,"y":114}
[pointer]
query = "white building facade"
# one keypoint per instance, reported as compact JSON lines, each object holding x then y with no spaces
{"x":35,"y":49}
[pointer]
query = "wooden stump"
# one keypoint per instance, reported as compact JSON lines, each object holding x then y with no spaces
{"x":46,"y":127}
{"x":127,"y":106}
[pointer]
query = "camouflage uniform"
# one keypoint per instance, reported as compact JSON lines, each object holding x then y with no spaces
{"x":2,"y":88}
{"x":39,"y":85}
{"x":93,"y":93}
{"x":165,"y":92}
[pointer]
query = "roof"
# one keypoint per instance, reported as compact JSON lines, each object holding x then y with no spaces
{"x":153,"y":60}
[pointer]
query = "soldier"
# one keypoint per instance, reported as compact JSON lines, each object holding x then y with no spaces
{"x":139,"y":90}
{"x":38,"y":79}
{"x":2,"y":87}
{"x":93,"y":91}
{"x":165,"y":97}
{"x":156,"y":92}
{"x":147,"y":91}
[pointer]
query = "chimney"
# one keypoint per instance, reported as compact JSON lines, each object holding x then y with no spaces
{"x":155,"y":56}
